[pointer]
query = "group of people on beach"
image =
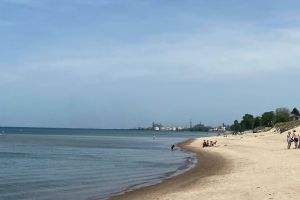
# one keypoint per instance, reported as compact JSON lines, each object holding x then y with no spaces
{"x":293,"y":138}
{"x":207,"y":143}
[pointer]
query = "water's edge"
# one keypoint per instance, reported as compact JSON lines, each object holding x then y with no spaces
{"x":190,"y":163}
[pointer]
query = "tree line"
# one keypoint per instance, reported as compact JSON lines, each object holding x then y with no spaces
{"x":267,"y":119}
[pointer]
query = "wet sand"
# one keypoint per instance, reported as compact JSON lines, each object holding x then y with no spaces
{"x":209,"y":164}
{"x":246,"y":167}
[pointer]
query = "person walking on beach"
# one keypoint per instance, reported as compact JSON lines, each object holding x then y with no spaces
{"x":289,"y":140}
{"x":296,"y":139}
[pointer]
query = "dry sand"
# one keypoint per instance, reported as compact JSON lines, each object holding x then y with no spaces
{"x":252,"y":166}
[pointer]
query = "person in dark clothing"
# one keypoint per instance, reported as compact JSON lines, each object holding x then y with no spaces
{"x":172,"y":147}
{"x":296,"y":139}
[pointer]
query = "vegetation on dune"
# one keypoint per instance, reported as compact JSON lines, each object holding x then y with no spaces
{"x":278,"y":119}
{"x":268,"y":118}
{"x":261,"y":129}
{"x":282,"y":115}
{"x":285,"y":126}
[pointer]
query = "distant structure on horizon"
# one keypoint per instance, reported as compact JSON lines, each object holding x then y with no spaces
{"x":219,"y":129}
{"x":160,"y":127}
{"x":198,"y":127}
{"x":294,"y":117}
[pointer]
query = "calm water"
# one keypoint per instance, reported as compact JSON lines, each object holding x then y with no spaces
{"x":85,"y":164}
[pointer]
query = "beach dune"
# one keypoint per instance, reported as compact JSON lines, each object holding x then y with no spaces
{"x":250,"y":166}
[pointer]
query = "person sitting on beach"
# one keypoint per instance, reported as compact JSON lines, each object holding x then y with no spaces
{"x":204,"y":144}
{"x":296,"y":139}
{"x":215,"y":143}
{"x":211,"y":144}
{"x":289,"y":140}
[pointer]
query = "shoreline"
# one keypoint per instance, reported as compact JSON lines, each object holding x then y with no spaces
{"x":246,"y":167}
{"x":208,"y":164}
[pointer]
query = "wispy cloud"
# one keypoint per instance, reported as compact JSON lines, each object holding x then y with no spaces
{"x":60,"y":53}
{"x":19,"y":2}
{"x":5,"y":22}
{"x":64,"y":2}
{"x":218,"y":53}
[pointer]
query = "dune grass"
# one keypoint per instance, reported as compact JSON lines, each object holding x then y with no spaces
{"x":285,"y":126}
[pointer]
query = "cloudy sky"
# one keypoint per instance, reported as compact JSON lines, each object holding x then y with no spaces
{"x":126,"y":63}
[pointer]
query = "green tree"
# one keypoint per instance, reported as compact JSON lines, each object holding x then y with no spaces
{"x":282,"y":114}
{"x":295,"y":111}
{"x":267,"y":119}
{"x":236,"y":126}
{"x":247,"y":122}
{"x":257,"y":122}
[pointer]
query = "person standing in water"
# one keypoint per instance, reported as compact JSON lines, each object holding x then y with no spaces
{"x":172,"y":147}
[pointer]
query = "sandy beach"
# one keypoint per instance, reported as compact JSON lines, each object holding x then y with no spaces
{"x":250,"y":166}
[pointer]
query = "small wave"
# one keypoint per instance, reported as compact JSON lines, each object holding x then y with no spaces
{"x":189,"y":163}
{"x":14,"y":154}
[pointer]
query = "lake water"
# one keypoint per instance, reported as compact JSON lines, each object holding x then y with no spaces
{"x":40,"y":163}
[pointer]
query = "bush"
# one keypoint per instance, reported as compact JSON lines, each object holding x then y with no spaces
{"x":285,"y":126}
{"x":282,"y":115}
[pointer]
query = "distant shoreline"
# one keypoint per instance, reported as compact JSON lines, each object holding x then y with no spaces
{"x":110,"y":129}
{"x":208,"y":164}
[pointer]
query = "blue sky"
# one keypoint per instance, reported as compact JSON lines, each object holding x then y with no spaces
{"x":126,"y":63}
